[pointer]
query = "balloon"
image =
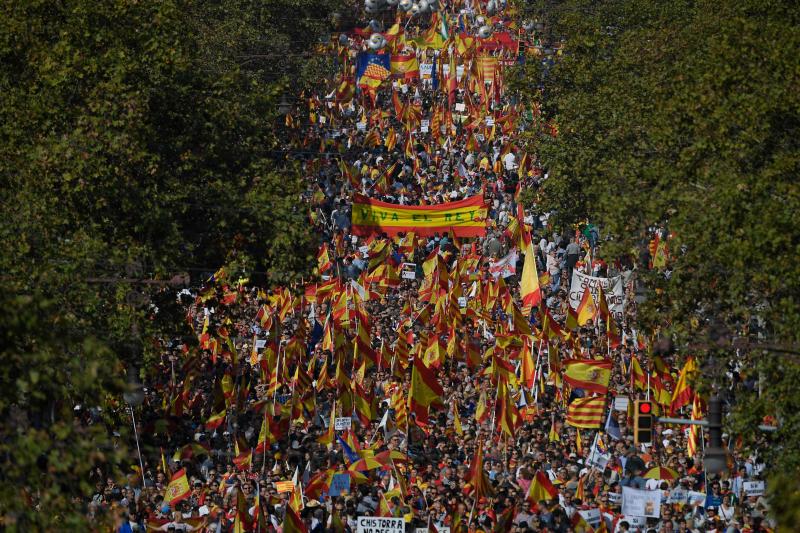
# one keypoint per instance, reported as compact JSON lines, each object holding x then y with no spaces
{"x":376,"y":41}
{"x":423,"y":6}
{"x":391,"y":2}
{"x":375,"y":25}
{"x":484,"y":32}
{"x":405,"y":5}
{"x":415,"y":9}
{"x":491,"y":7}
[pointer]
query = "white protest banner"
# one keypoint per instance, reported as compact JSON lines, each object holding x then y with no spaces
{"x":621,"y":403}
{"x":613,"y":288}
{"x":754,"y":488}
{"x":598,"y":459}
{"x":342,"y":423}
{"x":592,"y":516}
{"x":377,"y":524}
{"x":461,"y":106}
{"x":637,"y":502}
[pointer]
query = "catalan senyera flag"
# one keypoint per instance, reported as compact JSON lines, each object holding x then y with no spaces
{"x":178,"y":488}
{"x":638,"y":377}
{"x":405,"y":66}
{"x":683,"y":392}
{"x":464,"y":218}
{"x":586,"y":412}
{"x":487,"y":66}
{"x":541,"y":489}
{"x":588,"y":374}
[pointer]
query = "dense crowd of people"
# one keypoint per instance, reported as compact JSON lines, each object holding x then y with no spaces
{"x":301,"y":408}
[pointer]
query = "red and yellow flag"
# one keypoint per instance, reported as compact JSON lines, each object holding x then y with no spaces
{"x":586,"y":412}
{"x":683,"y":392}
{"x":178,"y":488}
{"x":588,"y":374}
{"x":541,"y":489}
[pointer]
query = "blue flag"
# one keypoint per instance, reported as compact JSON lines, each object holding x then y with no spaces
{"x":612,"y":426}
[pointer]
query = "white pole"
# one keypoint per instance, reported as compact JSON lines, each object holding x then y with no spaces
{"x":138,"y":450}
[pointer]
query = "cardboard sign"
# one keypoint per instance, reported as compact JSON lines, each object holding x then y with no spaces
{"x":637,"y":502}
{"x":260,"y":343}
{"x":754,"y":488}
{"x":342,"y":423}
{"x":340,"y":484}
{"x":621,"y":403}
{"x":378,"y":524}
{"x":461,"y":107}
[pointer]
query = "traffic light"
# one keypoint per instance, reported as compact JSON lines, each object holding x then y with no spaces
{"x":643,"y":422}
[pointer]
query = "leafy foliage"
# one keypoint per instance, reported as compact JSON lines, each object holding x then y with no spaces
{"x":685,"y":115}
{"x":136,"y":141}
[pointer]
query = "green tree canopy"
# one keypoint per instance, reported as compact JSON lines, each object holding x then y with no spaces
{"x":686,"y":116}
{"x":137,"y":140}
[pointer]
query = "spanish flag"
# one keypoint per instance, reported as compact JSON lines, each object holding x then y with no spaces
{"x":586,"y":412}
{"x":292,"y":523}
{"x":587,"y":308}
{"x":405,"y":66}
{"x":425,"y":389}
{"x":477,"y":475}
{"x":323,"y":258}
{"x":178,"y":488}
{"x":588,"y":374}
{"x":530,"y":292}
{"x":541,"y":489}
{"x":683,"y":392}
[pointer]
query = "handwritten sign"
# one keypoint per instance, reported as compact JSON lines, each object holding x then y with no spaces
{"x":342,"y":423}
{"x":340,"y":484}
{"x":378,"y":524}
{"x":754,"y":488}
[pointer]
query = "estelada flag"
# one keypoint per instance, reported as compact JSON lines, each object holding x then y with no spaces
{"x":588,"y":374}
{"x":541,"y":489}
{"x":405,"y":66}
{"x":178,"y":488}
{"x":586,"y":412}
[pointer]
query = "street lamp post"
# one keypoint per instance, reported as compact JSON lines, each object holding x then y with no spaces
{"x":134,"y":397}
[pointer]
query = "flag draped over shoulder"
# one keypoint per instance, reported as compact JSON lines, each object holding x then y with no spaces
{"x":588,"y":374}
{"x":586,"y":412}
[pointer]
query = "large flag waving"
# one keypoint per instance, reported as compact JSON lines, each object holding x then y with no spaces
{"x":683,"y":392}
{"x":178,"y":488}
{"x":588,"y":374}
{"x":541,"y":489}
{"x":425,"y":389}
